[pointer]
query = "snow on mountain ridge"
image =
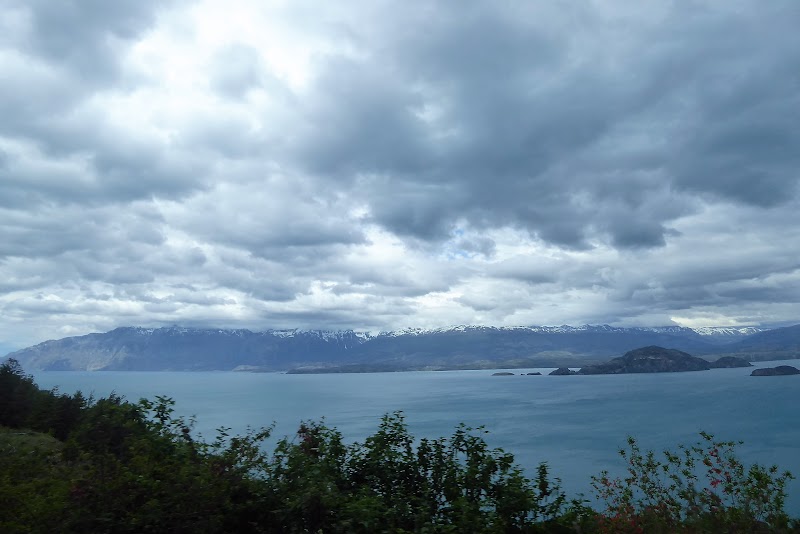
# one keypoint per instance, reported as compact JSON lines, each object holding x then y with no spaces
{"x":363,"y":336}
{"x":567,"y":329}
{"x":728,"y":330}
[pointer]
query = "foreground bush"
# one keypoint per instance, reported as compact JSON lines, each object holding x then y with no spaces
{"x":389,"y":483}
{"x":699,"y":488}
{"x":109,"y":465}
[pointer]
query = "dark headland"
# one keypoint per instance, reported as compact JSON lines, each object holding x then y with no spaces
{"x":650,"y":359}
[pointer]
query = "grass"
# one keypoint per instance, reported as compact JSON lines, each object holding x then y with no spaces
{"x":27,"y":442}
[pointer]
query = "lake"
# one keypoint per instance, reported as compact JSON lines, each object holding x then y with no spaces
{"x":575,"y":423}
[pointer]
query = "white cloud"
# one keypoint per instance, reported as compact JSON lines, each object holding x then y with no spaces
{"x":375,"y":165}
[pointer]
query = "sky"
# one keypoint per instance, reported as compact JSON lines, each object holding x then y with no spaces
{"x":379,"y":165}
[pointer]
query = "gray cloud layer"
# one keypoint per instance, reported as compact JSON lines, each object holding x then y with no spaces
{"x":379,"y":165}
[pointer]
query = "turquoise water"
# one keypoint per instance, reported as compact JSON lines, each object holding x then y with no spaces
{"x":575,"y":423}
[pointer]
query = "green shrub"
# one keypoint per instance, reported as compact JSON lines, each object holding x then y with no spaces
{"x":699,"y":488}
{"x":392,"y":483}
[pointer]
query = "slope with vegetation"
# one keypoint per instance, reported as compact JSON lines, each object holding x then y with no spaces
{"x":74,"y":464}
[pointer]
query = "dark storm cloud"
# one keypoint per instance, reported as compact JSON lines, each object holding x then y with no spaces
{"x":84,"y":36}
{"x":752,"y":267}
{"x":380,"y":165}
{"x":260,"y":278}
{"x":275,"y":217}
{"x":56,"y":54}
{"x":61,"y":144}
{"x":495,"y":114}
{"x":57,"y":230}
{"x":83,"y":158}
{"x":740,"y":143}
{"x":358,"y":119}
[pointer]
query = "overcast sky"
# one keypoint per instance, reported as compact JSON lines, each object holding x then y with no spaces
{"x":378,"y":165}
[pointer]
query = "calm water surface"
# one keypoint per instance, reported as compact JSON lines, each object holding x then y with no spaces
{"x":575,"y":423}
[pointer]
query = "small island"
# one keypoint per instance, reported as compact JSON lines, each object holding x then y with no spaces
{"x":563,"y":371}
{"x":781,"y":370}
{"x":650,"y":359}
{"x":730,"y":362}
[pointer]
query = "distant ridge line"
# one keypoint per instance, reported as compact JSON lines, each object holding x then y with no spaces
{"x":181,"y":348}
{"x":413,"y":331}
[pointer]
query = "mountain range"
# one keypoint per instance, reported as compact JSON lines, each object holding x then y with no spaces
{"x":459,"y":347}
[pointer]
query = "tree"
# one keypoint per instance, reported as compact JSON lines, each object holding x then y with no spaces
{"x":389,"y":484}
{"x":18,"y":393}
